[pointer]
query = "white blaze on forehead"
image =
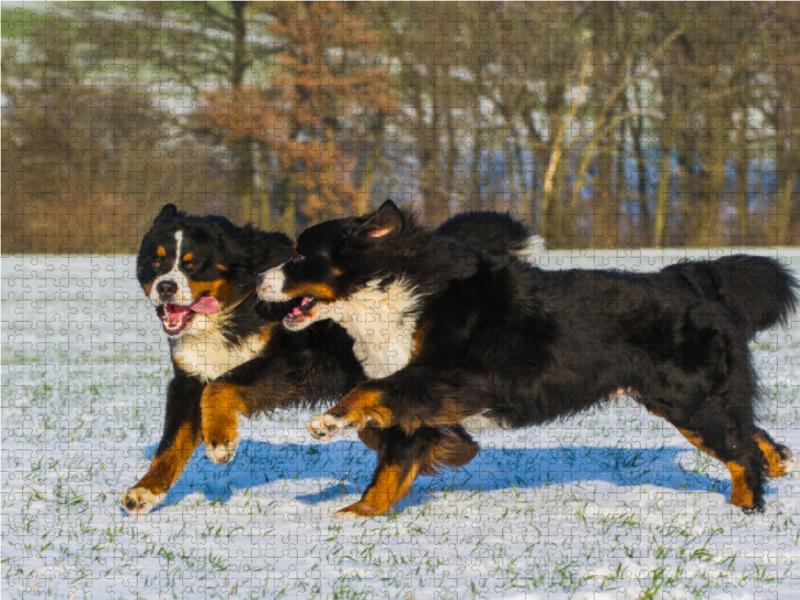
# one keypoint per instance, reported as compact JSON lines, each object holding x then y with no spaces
{"x":271,"y":287}
{"x":183,"y":295}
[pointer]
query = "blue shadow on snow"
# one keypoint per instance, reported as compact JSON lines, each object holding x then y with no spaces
{"x":350,"y":464}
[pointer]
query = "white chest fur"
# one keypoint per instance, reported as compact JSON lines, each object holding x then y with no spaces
{"x":381,"y":320}
{"x":208,"y":357}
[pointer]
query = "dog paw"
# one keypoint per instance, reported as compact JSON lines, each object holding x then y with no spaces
{"x":140,"y":501}
{"x":788,"y":462}
{"x":222,"y":454}
{"x":343,"y":514}
{"x":759,"y":506}
{"x":354,"y":511}
{"x":325,"y":426}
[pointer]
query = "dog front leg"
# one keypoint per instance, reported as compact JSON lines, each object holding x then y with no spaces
{"x":409,"y":399}
{"x":220,"y":407}
{"x":402,"y":457}
{"x":181,"y":436}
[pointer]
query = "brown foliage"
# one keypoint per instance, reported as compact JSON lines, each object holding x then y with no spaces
{"x":600,"y":124}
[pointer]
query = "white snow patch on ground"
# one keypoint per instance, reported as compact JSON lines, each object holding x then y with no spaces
{"x":609,"y":504}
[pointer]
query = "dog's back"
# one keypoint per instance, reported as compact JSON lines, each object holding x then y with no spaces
{"x":497,"y":234}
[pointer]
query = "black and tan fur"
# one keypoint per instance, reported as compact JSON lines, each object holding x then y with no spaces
{"x":239,"y":360}
{"x":232,"y":362}
{"x":504,"y":340}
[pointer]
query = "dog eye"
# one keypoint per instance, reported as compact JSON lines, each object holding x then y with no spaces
{"x":156,"y":264}
{"x":298,"y":258}
{"x":188,"y":265}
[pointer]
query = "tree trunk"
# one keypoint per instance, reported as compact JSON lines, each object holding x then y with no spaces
{"x":741,"y":234}
{"x":645,"y":237}
{"x":364,"y":200}
{"x":663,"y":200}
{"x":621,"y":189}
{"x":603,"y":22}
{"x":425,"y":158}
{"x":450,"y":180}
{"x":661,"y":214}
{"x":553,"y":178}
{"x":245,"y":151}
{"x":476,"y":202}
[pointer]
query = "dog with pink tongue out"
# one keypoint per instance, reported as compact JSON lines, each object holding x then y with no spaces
{"x":175,"y":316}
{"x":229,"y":360}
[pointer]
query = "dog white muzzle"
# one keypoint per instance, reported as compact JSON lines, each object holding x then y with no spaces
{"x":269,"y":285}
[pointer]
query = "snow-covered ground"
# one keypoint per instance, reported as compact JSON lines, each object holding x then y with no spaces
{"x":609,"y":504}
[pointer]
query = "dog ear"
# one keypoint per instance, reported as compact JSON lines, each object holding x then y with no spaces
{"x":387,"y":219}
{"x":167,"y":212}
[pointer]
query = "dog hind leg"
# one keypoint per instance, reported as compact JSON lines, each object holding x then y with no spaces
{"x":732,"y":440}
{"x":402,"y":457}
{"x":780,"y":459}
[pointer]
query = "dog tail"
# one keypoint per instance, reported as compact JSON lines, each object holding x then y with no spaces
{"x":494,"y":233}
{"x":758,"y":291}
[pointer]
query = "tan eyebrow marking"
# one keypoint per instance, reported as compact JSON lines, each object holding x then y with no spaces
{"x":188,"y":256}
{"x":161,"y":251}
{"x":221,"y":267}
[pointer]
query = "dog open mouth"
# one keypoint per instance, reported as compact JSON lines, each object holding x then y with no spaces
{"x":175,"y":317}
{"x":303,"y":305}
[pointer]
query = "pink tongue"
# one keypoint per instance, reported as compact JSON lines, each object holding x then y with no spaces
{"x":206,"y":304}
{"x":296,"y":312}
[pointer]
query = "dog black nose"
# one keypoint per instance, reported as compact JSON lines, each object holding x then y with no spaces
{"x":166,"y":289}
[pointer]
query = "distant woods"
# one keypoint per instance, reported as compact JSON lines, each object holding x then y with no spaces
{"x":600,"y":125}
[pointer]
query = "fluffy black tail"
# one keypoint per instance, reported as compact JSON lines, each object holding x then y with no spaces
{"x":759,"y":291}
{"x":493,"y":233}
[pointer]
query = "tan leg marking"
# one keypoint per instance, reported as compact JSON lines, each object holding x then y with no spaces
{"x":356,"y":409}
{"x":220,"y":407}
{"x":393,"y":481}
{"x":392,"y":485}
{"x":742,"y":494}
{"x":450,"y":451}
{"x":164,"y":470}
{"x":778,"y":466}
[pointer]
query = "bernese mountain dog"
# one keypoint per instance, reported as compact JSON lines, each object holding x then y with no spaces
{"x":199,"y":273}
{"x":231,"y":357}
{"x":450,"y":334}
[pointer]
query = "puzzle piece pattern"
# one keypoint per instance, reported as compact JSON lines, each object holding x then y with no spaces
{"x":558,"y":113}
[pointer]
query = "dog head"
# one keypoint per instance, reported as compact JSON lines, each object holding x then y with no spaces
{"x":332,"y":261}
{"x":195,"y":269}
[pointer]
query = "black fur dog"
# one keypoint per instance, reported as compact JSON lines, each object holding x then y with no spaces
{"x":199,"y":272}
{"x":474,"y":335}
{"x":231,"y":358}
